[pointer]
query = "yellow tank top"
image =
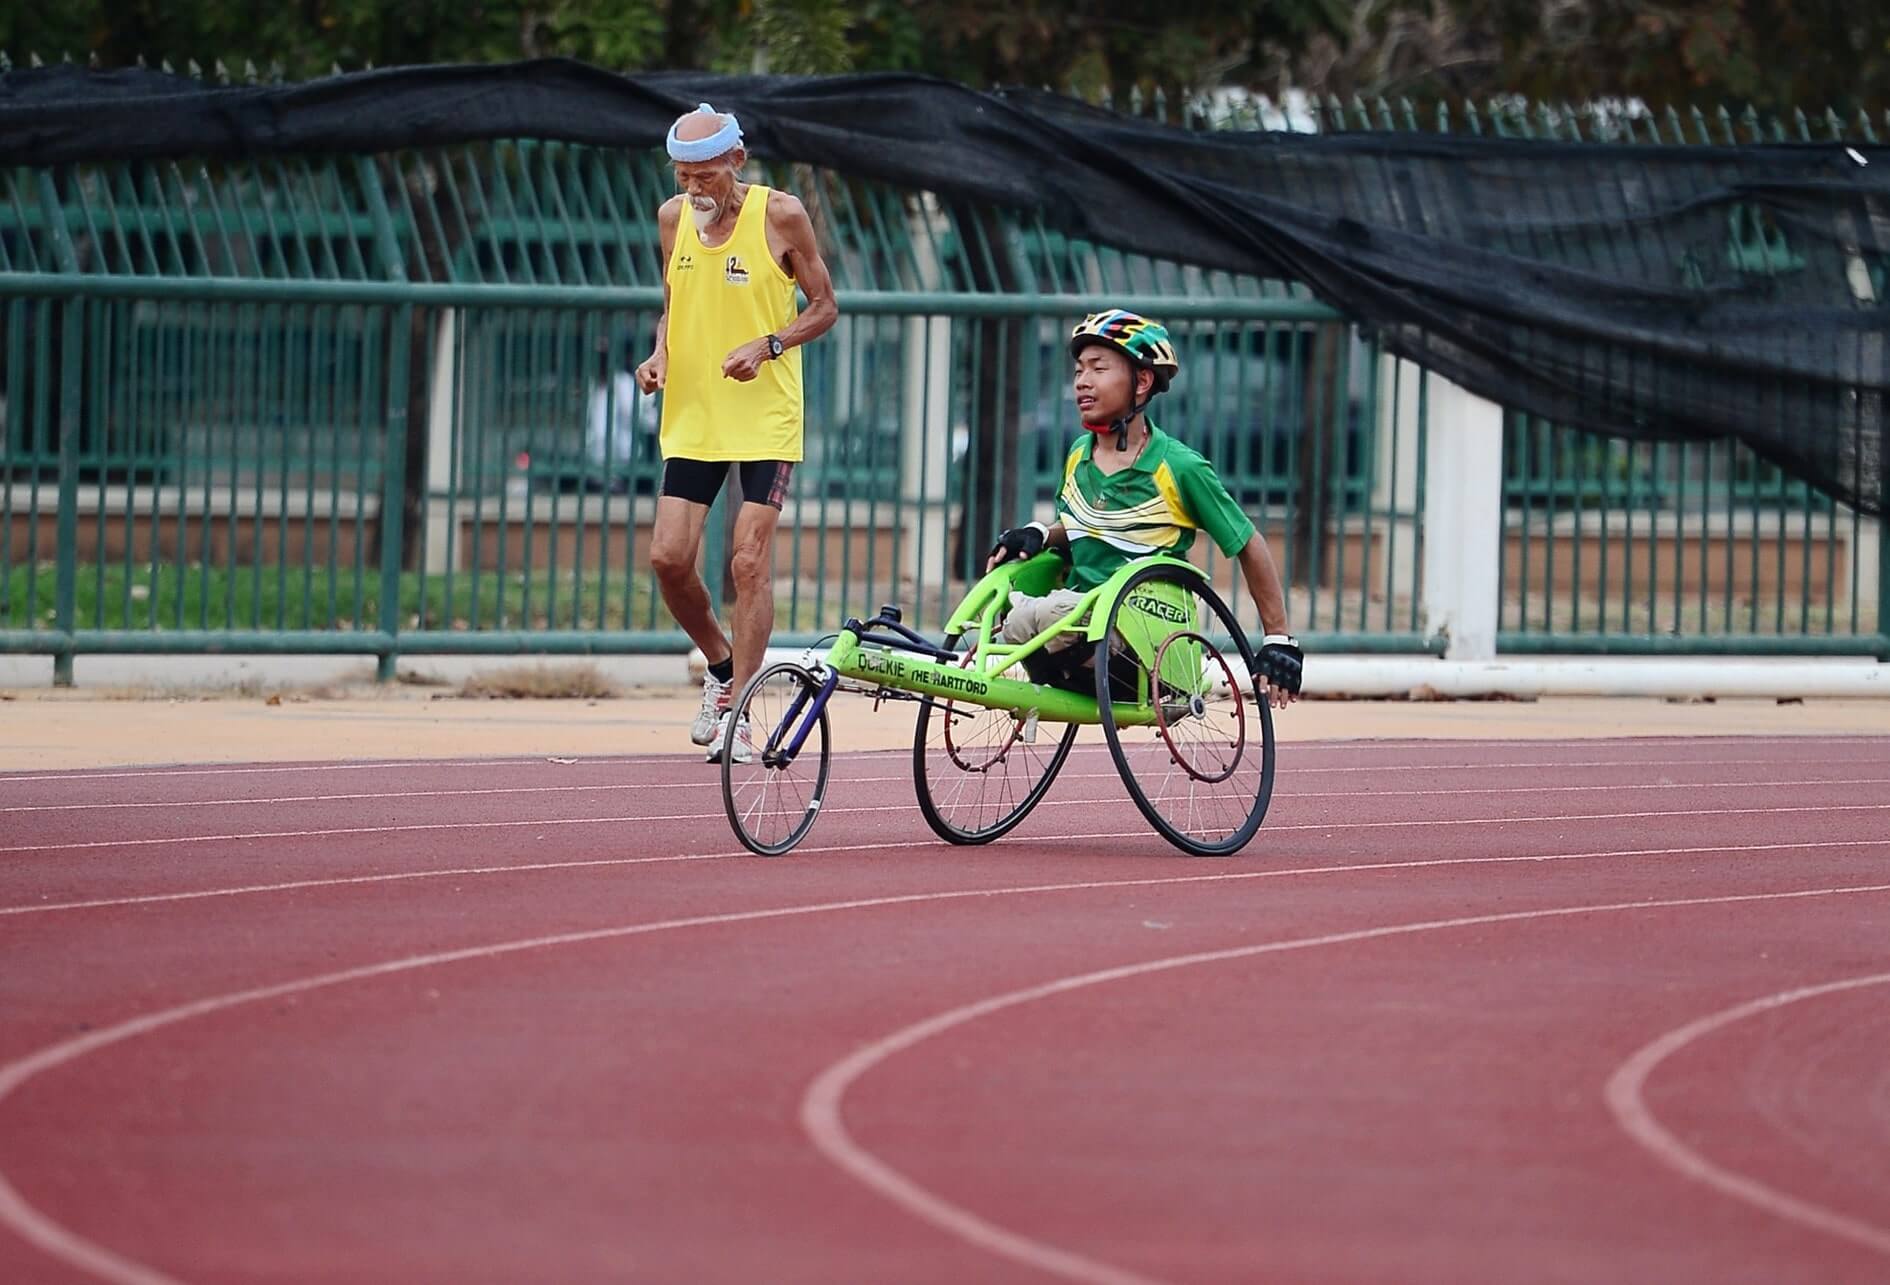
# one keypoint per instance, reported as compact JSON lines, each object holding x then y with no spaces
{"x":719,"y":299}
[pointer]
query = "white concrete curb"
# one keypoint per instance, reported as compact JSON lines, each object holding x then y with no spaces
{"x":1665,"y":676}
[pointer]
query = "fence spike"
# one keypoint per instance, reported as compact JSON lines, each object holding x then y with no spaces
{"x":1804,"y":126}
{"x":196,"y":72}
{"x":92,"y":61}
{"x":249,"y":72}
{"x":168,"y":69}
{"x":1836,"y":126}
{"x":33,"y":60}
{"x":1755,"y":129}
{"x":1726,"y":127}
{"x":1863,"y":126}
{"x":223,"y":73}
{"x":6,"y":63}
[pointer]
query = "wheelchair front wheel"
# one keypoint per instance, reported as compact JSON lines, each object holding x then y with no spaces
{"x":974,"y":772}
{"x":772,"y":787}
{"x":1194,"y":749}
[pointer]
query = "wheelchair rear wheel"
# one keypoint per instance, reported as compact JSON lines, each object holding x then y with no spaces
{"x":1173,"y":684}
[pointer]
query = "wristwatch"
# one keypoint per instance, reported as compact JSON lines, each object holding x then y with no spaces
{"x":775,"y":346}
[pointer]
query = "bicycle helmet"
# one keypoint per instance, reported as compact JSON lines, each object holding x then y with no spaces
{"x":1145,"y":343}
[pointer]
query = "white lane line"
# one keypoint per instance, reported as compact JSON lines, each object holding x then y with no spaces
{"x":884,"y":845}
{"x":1770,"y":783}
{"x":69,"y":1247}
{"x":1351,"y":749}
{"x":1626,"y":1100}
{"x":1846,"y":760}
{"x":822,"y":1105}
{"x":234,"y":769}
{"x":1322,"y":826}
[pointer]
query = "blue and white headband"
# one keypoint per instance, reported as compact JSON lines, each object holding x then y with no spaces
{"x":725,"y":139}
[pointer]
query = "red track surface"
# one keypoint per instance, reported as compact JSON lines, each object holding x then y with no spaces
{"x":1552,"y":1011}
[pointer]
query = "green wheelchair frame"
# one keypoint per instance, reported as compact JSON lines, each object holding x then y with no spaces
{"x":1148,"y":609}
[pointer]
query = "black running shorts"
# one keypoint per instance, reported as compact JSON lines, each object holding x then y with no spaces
{"x":698,"y":481}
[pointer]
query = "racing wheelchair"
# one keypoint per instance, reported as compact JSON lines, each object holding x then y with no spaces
{"x":1153,"y":655}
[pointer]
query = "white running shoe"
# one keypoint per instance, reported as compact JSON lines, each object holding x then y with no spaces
{"x":714,"y":704}
{"x":744,"y":740}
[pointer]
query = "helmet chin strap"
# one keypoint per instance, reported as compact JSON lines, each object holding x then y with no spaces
{"x":1120,"y":425}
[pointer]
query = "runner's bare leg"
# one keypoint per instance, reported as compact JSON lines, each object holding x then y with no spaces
{"x":674,"y":545}
{"x":752,"y":563}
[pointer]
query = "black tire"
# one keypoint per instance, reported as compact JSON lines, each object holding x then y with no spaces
{"x":943,"y":768}
{"x":1209,"y":756}
{"x":772,"y":801}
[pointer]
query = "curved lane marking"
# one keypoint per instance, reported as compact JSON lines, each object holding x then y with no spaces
{"x":1629,"y":1105}
{"x":822,"y":1105}
{"x":56,"y":1240}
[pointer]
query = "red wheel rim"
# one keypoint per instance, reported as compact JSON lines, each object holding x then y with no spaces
{"x":1167,"y":724}
{"x":990,"y":755}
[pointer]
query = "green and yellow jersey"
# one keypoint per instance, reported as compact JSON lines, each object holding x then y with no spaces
{"x":1153,"y":506}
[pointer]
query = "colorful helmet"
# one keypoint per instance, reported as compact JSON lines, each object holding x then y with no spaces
{"x":1142,"y":341}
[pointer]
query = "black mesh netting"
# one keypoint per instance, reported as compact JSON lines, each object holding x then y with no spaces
{"x":1646,"y":291}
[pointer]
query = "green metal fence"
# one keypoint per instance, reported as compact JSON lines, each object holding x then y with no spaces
{"x":1611,"y":545}
{"x":379,"y":405}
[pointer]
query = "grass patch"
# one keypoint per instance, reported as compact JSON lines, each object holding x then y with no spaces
{"x":117,"y":596}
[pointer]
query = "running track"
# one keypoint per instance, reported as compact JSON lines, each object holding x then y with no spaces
{"x":1502,"y":1011}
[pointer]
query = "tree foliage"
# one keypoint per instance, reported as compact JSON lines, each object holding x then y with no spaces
{"x":1767,"y":53}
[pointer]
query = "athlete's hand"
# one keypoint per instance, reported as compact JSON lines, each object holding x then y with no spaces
{"x":1018,"y":542}
{"x":744,"y":363}
{"x":653,"y":373}
{"x":1282,"y":666}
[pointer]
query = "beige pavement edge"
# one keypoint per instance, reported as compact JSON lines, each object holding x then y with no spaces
{"x":49,"y":730}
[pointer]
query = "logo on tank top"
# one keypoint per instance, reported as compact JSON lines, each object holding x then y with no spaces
{"x":684,"y":262}
{"x":733,"y":272}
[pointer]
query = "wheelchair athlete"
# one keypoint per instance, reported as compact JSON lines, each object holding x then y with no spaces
{"x":1130,"y":490}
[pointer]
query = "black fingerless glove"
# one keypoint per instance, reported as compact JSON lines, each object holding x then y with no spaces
{"x":1282,"y":663}
{"x":1021,"y":542}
